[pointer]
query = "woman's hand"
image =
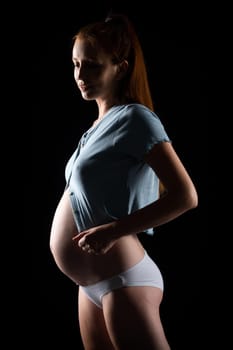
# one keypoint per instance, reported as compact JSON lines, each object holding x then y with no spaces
{"x":96,"y":240}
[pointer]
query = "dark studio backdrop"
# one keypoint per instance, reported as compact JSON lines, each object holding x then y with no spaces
{"x":174,"y":46}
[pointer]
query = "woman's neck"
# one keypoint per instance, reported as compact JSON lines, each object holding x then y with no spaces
{"x":104,"y":106}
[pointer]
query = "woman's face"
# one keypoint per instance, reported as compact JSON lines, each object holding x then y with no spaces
{"x":94,"y":73}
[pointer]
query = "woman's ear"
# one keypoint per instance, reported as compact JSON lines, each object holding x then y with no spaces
{"x":122,"y":69}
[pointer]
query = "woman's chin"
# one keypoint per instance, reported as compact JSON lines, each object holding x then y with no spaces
{"x":88,"y":95}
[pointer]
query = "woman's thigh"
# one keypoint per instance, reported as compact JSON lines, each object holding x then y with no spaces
{"x":92,"y":325}
{"x":133,"y":320}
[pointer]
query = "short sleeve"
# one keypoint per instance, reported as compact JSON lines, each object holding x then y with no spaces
{"x":138,"y":130}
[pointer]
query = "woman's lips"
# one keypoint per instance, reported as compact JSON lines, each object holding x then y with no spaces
{"x":83,"y":86}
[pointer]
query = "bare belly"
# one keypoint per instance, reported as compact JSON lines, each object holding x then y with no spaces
{"x":82,"y":267}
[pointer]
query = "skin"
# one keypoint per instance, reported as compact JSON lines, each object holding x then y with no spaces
{"x":130,"y":316}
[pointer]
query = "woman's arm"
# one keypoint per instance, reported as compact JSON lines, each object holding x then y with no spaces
{"x":180,"y":192}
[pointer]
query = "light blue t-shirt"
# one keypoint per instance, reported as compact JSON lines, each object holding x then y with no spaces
{"x":106,"y":176}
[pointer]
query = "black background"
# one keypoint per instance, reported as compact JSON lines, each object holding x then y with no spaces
{"x":174,"y":40}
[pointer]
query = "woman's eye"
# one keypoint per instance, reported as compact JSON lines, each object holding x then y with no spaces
{"x":92,"y":65}
{"x":87,"y":65}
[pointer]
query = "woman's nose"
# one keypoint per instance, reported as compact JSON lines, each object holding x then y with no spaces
{"x":81,"y":73}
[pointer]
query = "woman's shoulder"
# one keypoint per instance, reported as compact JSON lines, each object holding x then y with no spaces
{"x":137,"y":111}
{"x":138,"y":107}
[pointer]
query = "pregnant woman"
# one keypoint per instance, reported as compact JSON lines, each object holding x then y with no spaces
{"x":113,"y":194}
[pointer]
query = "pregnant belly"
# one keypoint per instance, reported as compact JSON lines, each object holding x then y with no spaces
{"x":79,"y":266}
{"x":70,"y":259}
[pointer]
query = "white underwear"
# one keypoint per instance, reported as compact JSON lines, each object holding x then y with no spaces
{"x":144,"y":273}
